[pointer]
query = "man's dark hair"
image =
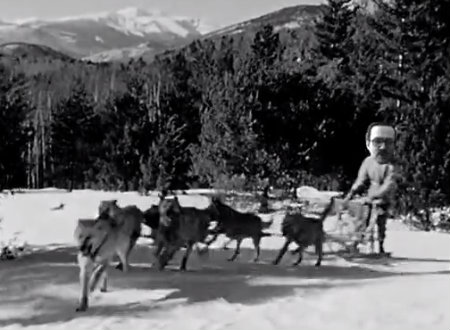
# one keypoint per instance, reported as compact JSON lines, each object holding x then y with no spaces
{"x":379,"y":123}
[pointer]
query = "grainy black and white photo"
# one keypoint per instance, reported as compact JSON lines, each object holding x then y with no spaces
{"x":225,"y":164}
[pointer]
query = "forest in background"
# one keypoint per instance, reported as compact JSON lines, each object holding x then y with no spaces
{"x":279,"y":107}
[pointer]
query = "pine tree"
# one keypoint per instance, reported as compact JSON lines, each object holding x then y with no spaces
{"x":266,"y":46}
{"x":415,"y":94}
{"x":14,"y":133}
{"x":75,"y":135}
{"x":335,"y":30}
{"x":331,"y":75}
{"x":130,"y":124}
{"x":335,"y":42}
{"x":163,"y":168}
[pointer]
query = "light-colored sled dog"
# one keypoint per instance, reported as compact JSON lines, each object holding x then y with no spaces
{"x":128,"y":219}
{"x":98,"y":241}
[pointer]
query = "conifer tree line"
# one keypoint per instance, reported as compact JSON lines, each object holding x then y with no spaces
{"x":285,"y":107}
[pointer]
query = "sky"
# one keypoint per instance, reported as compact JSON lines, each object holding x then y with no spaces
{"x":217,"y":13}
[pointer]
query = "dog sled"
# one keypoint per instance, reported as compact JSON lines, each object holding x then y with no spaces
{"x":348,"y":227}
{"x":342,"y":230}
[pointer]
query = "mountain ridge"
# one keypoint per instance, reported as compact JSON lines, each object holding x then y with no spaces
{"x":85,"y":35}
{"x":136,"y":33}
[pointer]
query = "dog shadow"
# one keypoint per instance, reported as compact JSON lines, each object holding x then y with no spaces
{"x":49,"y":280}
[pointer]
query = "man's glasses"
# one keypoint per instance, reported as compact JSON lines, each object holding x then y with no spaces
{"x":378,"y":142}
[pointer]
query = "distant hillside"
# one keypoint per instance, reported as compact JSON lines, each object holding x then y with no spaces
{"x":294,"y":17}
{"x":20,"y":50}
{"x":86,"y":35}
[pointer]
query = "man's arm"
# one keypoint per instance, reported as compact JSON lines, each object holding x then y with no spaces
{"x":361,"y":181}
{"x":389,"y":184}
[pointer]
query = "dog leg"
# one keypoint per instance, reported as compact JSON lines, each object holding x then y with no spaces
{"x":162,"y":259}
{"x":319,"y":251}
{"x":133,"y":241}
{"x":381,"y":246}
{"x":85,"y":264}
{"x":172,"y":252}
{"x":256,"y":242}
{"x":95,"y":277}
{"x":186,"y":256}
{"x":300,"y":255}
{"x":237,"y":251}
{"x":165,"y":256}
{"x":372,"y":242}
{"x":104,"y":286}
{"x":282,"y":252}
{"x":159,"y":247}
{"x":157,"y":253}
{"x":123,"y":259}
{"x":127,"y":254}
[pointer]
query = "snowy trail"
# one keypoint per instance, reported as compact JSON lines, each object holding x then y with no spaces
{"x":40,"y":291}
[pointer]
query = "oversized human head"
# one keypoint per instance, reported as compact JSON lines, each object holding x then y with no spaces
{"x":380,"y":141}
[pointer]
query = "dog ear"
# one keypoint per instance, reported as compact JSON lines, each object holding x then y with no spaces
{"x":163,"y":193}
{"x":177,"y":204}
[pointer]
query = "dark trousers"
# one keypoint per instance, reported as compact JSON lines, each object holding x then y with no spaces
{"x":377,"y":216}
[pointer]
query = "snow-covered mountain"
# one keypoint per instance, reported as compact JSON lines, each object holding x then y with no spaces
{"x":133,"y":32}
{"x":298,"y":18}
{"x":87,"y":35}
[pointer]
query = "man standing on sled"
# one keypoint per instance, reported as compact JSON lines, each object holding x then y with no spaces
{"x":378,"y":177}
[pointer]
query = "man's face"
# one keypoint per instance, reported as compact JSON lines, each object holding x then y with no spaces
{"x":381,"y":143}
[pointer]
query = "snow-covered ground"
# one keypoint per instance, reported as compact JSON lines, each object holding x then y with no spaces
{"x":40,"y":290}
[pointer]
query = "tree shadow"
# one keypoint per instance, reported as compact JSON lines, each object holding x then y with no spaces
{"x":63,"y":310}
{"x":207,"y":279}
